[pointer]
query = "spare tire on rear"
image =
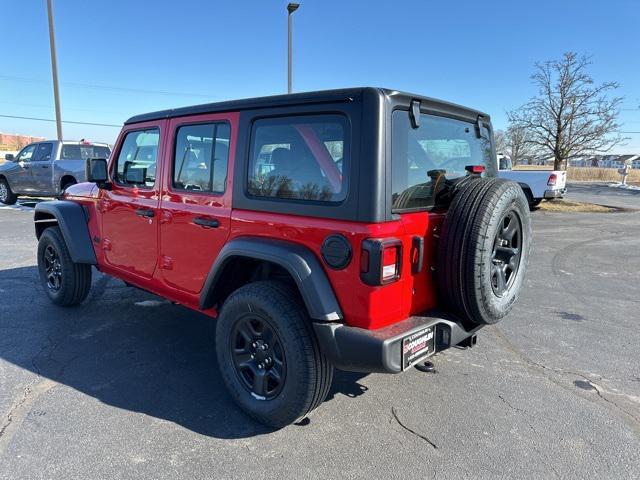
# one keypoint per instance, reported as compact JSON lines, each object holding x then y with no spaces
{"x":483,"y":251}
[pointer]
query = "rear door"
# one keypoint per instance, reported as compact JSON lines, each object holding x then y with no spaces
{"x":423,"y":159}
{"x":196,"y":197}
{"x":130,"y":209}
{"x":41,"y":168}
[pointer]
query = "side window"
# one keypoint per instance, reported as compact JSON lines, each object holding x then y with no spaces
{"x":26,"y":154}
{"x":201,"y":157}
{"x":299,"y":158}
{"x":136,"y":163}
{"x":43,"y":152}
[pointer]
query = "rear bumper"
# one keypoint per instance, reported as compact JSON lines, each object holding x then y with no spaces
{"x":555,"y":193}
{"x":360,"y":350}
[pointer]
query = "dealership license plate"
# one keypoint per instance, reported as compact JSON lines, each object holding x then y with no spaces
{"x":418,"y":346}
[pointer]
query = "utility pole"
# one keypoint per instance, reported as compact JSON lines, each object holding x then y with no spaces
{"x":54,"y":70}
{"x":292,"y":7}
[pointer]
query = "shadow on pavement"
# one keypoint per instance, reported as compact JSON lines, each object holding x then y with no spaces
{"x":150,"y":357}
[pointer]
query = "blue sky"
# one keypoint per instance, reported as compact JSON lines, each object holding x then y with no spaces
{"x":150,"y":55}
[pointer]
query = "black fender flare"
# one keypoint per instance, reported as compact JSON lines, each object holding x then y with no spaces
{"x":72,"y":219}
{"x":299,"y":261}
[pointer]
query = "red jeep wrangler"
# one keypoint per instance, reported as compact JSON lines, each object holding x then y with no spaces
{"x":362,"y":229}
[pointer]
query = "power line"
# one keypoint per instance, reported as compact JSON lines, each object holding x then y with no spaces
{"x":50,"y":107}
{"x":108,"y":87}
{"x":64,"y":121}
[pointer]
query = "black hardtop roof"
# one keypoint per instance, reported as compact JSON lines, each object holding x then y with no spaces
{"x":321,"y":96}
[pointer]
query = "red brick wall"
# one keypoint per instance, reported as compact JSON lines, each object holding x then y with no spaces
{"x":12,"y":142}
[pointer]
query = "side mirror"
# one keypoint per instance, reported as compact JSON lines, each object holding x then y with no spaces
{"x":10,"y":157}
{"x":134,"y":175}
{"x":97,"y":170}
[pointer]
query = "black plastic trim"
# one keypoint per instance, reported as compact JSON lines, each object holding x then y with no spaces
{"x":72,"y":219}
{"x":299,"y":261}
{"x":360,"y":350}
{"x":417,"y":249}
{"x":336,"y":251}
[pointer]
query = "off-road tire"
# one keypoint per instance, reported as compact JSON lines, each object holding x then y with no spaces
{"x":467,"y":255}
{"x":6,"y":195}
{"x":308,"y":372}
{"x":75,"y":281}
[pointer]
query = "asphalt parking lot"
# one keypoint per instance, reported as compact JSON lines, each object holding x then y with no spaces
{"x":127,"y":385}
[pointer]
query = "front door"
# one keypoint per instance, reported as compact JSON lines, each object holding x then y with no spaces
{"x":196,"y":200}
{"x":130,"y":209}
{"x":20,"y":178}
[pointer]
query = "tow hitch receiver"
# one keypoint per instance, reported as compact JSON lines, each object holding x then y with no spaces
{"x":469,"y":341}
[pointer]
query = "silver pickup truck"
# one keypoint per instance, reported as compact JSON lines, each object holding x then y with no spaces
{"x":47,"y":168}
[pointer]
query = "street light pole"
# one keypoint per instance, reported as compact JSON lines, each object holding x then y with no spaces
{"x":54,"y":70}
{"x":292,"y":7}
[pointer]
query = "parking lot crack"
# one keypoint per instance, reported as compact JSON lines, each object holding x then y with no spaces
{"x":410,"y":430}
{"x":506,"y":402}
{"x":19,"y":410}
{"x":550,"y":372}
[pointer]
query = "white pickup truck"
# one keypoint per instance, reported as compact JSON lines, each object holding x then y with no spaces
{"x":536,"y":184}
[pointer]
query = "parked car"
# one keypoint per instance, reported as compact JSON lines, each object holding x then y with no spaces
{"x":46,"y":168}
{"x":360,"y":229}
{"x":537,"y":185}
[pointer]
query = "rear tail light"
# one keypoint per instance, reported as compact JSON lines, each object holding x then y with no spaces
{"x":475,"y":169}
{"x":552,"y":180}
{"x":380,"y":261}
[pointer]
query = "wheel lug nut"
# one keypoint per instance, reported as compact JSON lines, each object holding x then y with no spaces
{"x":253,"y":355}
{"x":264,"y":347}
{"x":260,"y":366}
{"x":254,"y":345}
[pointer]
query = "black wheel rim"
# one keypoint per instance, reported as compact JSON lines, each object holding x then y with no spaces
{"x":507,"y":251}
{"x":258,"y":357}
{"x":53,"y":268}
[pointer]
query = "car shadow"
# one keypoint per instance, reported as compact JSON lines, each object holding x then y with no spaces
{"x":131,"y":350}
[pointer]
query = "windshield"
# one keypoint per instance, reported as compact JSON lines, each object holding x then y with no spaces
{"x":82,"y":152}
{"x":423,"y":158}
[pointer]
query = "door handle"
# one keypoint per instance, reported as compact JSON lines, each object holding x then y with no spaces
{"x":44,"y":166}
{"x":145,"y":212}
{"x":206,"y":222}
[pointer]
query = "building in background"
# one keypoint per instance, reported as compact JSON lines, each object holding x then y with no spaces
{"x":12,"y":142}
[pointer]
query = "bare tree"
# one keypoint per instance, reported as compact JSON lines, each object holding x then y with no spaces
{"x":520,"y":147}
{"x":570,"y":116}
{"x":514,"y":143}
{"x":500,"y":141}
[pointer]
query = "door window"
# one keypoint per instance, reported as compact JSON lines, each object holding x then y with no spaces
{"x":43,"y":152}
{"x":299,"y":158}
{"x":137,"y":160}
{"x":26,"y":154}
{"x":201,"y":157}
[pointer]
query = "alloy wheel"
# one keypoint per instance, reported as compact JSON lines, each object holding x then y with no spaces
{"x":258,"y":357}
{"x":53,"y":268}
{"x":507,"y":251}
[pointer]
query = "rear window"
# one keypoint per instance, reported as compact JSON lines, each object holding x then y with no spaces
{"x":425,"y":157}
{"x":82,"y":152}
{"x":201,"y":156}
{"x":299,"y":158}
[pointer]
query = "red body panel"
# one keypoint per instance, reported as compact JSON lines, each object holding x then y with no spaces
{"x":171,"y":257}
